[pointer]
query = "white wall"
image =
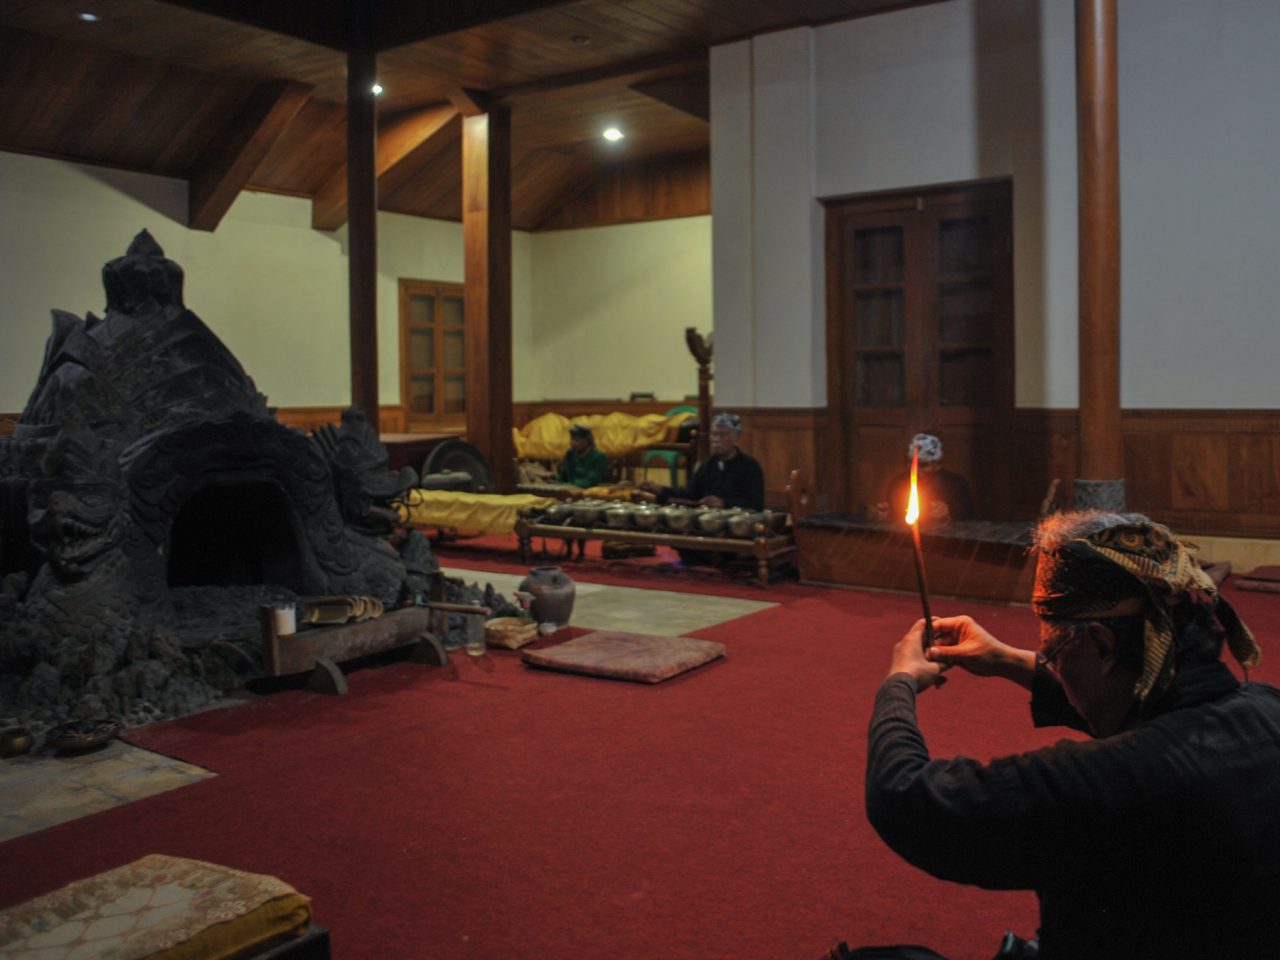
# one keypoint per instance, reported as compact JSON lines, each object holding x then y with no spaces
{"x":985,"y":88}
{"x":610,"y":307}
{"x":770,"y":312}
{"x":615,"y":301}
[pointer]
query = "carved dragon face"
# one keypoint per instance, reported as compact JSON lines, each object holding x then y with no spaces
{"x":74,"y":525}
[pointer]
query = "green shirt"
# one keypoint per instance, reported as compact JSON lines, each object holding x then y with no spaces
{"x":587,"y":469}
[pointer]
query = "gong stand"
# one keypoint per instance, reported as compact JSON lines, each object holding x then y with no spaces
{"x":700,"y":347}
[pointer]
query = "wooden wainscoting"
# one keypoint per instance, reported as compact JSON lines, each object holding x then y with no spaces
{"x":1200,"y":471}
{"x":782,"y":439}
{"x":306,"y":419}
{"x":7,"y":422}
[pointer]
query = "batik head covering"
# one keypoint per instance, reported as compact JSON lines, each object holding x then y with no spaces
{"x":730,"y":421}
{"x":1137,"y":566}
{"x":930,"y":448}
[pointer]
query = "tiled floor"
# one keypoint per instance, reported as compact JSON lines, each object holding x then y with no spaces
{"x":38,"y":791}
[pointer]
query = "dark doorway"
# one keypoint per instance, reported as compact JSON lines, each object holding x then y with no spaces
{"x":238,"y":534}
{"x":920,"y":337}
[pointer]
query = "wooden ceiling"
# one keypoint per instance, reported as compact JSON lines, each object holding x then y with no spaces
{"x":234,"y":94}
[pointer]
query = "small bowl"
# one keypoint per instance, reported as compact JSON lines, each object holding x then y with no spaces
{"x":618,"y":517}
{"x":646,"y":518}
{"x":744,"y":524}
{"x":77,"y":735}
{"x":711,"y":521}
{"x":676,"y":518}
{"x":15,"y":741}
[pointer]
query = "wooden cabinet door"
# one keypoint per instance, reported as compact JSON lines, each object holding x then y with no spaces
{"x":920,"y":339}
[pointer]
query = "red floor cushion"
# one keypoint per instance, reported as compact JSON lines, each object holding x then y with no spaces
{"x":645,"y":658}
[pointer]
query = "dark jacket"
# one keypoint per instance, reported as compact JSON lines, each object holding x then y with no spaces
{"x":939,"y":485}
{"x":1162,"y":841}
{"x":587,"y":469}
{"x":738,"y":481}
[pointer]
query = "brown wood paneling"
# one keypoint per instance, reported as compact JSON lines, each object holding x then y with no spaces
{"x":1200,"y":467}
{"x":306,"y":419}
{"x":220,"y":176}
{"x":1201,"y":471}
{"x":638,"y":192}
{"x":782,"y":440}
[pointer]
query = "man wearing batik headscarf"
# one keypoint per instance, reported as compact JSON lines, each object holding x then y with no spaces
{"x":1159,"y":837}
{"x":727,"y":478}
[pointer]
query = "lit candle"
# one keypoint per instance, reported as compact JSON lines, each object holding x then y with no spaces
{"x":913,"y":521}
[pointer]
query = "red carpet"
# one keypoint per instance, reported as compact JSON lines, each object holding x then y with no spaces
{"x":497,"y":811}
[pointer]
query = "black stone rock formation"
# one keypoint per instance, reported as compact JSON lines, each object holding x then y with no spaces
{"x":150,"y":502}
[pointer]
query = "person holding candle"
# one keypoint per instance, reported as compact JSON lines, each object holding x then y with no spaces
{"x":1158,"y":838}
{"x":944,"y":494}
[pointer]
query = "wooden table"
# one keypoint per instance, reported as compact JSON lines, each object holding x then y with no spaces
{"x":769,"y":549}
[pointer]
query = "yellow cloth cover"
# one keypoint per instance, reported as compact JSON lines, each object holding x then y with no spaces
{"x":473,"y":512}
{"x":156,"y":908}
{"x":617,"y":434}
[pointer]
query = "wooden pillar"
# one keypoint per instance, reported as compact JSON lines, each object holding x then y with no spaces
{"x":362,"y":229}
{"x":486,"y":228}
{"x":1101,"y":441}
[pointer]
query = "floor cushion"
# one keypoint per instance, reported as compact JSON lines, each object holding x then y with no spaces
{"x":159,"y":907}
{"x":645,"y":658}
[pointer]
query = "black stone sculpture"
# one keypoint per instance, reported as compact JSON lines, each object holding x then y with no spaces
{"x":150,"y":502}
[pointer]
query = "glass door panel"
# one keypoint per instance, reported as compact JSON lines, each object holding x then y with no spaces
{"x":422,"y":394}
{"x":455,"y":393}
{"x":455,"y":349}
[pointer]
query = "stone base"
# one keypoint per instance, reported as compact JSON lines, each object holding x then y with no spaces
{"x":1105,"y":495}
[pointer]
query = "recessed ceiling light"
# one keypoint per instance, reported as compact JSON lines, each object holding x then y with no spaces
{"x":612,"y":134}
{"x":88,"y":17}
{"x":376,"y":88}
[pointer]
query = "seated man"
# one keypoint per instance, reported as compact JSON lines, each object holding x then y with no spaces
{"x":944,"y":495}
{"x":585,"y":465}
{"x":1159,"y":838}
{"x":727,"y":478}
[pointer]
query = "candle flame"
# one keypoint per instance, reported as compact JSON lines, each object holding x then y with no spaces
{"x":913,"y":502}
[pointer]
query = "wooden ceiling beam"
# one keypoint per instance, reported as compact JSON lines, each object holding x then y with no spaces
{"x":400,"y":138}
{"x":678,"y":63}
{"x":470,"y":103}
{"x":226,"y":169}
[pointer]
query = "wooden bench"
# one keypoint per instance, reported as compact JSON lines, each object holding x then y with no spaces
{"x":769,"y":549}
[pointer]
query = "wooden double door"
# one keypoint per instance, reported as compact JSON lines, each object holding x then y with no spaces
{"x":920,"y":339}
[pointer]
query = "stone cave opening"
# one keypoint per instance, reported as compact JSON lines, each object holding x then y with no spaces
{"x":241,"y":534}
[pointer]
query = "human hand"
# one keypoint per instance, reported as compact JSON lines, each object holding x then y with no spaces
{"x":711,"y":501}
{"x":960,"y":641}
{"x":881,"y":511}
{"x":648,"y":486}
{"x":939,"y":511}
{"x":909,"y":658}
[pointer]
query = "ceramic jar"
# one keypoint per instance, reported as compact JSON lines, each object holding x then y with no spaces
{"x":553,"y":592}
